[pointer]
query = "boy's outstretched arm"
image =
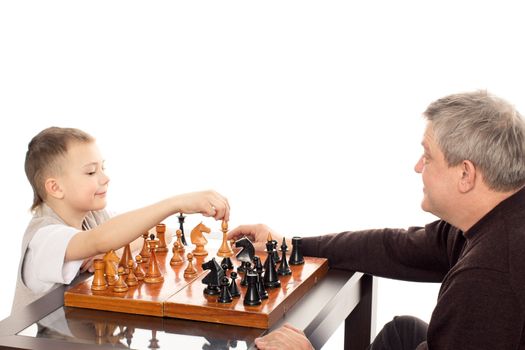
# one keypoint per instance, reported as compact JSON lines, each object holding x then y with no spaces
{"x":122,"y":229}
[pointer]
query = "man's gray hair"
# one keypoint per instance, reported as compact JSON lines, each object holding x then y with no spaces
{"x":484,"y":129}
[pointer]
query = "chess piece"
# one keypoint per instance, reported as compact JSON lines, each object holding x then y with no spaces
{"x":126,"y":256}
{"x":190,"y":270}
{"x":243,"y":268}
{"x":252,"y":296}
{"x":296,"y":258}
{"x":111,"y":261}
{"x":275,"y":254}
{"x":269,"y":250}
{"x":260,"y":283}
{"x":213,"y":278}
{"x":198,"y":239}
{"x":247,"y":268}
{"x":180,"y":242}
{"x":247,"y":252}
{"x":234,"y":289}
{"x":227,"y":261}
{"x":284,"y":268}
{"x":176,"y":259}
{"x":161,"y":231}
{"x":120,"y":286}
{"x":144,"y":253}
{"x":139,"y":270}
{"x":153,"y":274}
{"x":99,"y":281}
{"x":225,"y":250}
{"x":131,"y":280}
{"x":276,"y":257}
{"x":225,"y":296}
{"x":271,"y":280}
{"x":181,"y":228}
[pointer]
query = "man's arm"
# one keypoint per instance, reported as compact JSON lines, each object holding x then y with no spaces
{"x":415,"y":254}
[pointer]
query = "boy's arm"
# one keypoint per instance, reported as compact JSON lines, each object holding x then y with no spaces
{"x":124,"y":228}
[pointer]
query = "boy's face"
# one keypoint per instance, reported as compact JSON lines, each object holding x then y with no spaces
{"x":83,"y":181}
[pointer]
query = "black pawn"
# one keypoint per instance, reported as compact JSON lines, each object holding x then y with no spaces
{"x":296,"y":258}
{"x":244,"y":267}
{"x":252,"y":296}
{"x":284,"y":269}
{"x":225,"y":296}
{"x":228,"y":262}
{"x":244,"y":280}
{"x":270,"y":275}
{"x":257,"y":263}
{"x":234,"y":290}
{"x":260,"y":284}
{"x":276,"y":258}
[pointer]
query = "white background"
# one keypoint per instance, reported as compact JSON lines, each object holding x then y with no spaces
{"x":306,"y":115}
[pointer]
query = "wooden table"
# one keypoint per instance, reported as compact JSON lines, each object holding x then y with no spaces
{"x":340,"y":296}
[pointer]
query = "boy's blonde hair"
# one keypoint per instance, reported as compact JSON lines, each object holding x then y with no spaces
{"x":43,"y":153}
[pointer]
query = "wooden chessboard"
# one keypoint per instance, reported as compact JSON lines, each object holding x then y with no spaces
{"x":184,"y":298}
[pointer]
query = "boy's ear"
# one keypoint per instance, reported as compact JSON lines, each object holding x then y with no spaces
{"x":53,"y":188}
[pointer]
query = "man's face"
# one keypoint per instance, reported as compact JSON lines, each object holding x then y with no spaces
{"x":83,"y":179}
{"x":439,"y":180}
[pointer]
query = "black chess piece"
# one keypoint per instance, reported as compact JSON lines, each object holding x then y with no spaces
{"x":225,"y":296}
{"x":181,"y":228}
{"x":276,"y":258}
{"x":257,"y":263}
{"x":252,"y":296}
{"x":234,"y":290}
{"x":269,"y":251}
{"x":228,"y":262}
{"x":248,"y":250}
{"x":213,"y":278}
{"x":296,"y":258}
{"x":284,"y":268}
{"x":242,"y":268}
{"x":244,"y":280}
{"x":271,"y":280}
{"x":260,"y":283}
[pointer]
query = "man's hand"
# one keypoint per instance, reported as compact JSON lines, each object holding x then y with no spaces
{"x":286,"y":337}
{"x":258,"y":234}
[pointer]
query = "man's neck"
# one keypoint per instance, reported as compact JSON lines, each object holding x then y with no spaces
{"x":479,"y":206}
{"x":69,"y":216}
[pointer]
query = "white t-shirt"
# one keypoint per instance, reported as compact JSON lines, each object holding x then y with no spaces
{"x":44,"y":264}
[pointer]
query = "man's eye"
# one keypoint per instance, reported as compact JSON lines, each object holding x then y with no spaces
{"x":91,"y":173}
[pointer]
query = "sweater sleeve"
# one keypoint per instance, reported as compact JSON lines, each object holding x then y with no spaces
{"x":423,"y":254}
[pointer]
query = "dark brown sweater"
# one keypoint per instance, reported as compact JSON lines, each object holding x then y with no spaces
{"x":481,"y":303}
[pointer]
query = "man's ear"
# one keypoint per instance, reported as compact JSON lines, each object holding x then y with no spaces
{"x":53,"y":188}
{"x":468,"y":176}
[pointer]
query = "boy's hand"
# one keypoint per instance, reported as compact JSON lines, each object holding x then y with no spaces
{"x":258,"y":234}
{"x":87,"y":264}
{"x":207,"y":203}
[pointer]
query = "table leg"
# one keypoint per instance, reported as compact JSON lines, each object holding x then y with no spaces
{"x":360,"y":324}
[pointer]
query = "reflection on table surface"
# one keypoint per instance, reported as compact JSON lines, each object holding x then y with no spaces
{"x":119,"y":330}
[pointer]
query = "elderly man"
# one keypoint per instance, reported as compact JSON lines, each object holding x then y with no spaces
{"x":473,"y":172}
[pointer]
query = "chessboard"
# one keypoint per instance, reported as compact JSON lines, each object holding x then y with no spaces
{"x":182,"y":296}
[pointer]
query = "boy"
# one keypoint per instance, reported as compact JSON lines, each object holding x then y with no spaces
{"x":70,"y":224}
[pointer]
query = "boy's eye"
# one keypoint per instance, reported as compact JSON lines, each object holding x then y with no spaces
{"x":92,"y":173}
